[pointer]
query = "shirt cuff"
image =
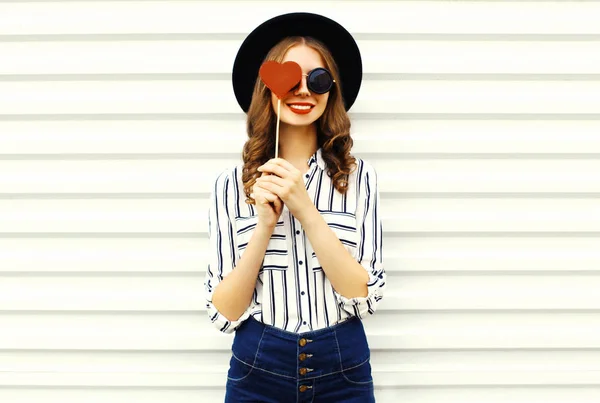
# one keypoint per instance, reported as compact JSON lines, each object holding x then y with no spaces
{"x":221,"y":322}
{"x":364,"y":306}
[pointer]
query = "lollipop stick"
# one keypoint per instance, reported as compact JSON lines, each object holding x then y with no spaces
{"x":277,"y":128}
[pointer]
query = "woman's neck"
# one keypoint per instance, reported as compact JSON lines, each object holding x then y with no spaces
{"x":297,"y":144}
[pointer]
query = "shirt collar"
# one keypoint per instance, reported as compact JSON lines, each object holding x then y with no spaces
{"x":317,"y":158}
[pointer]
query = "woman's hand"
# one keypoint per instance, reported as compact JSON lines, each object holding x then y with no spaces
{"x":286,"y":182}
{"x":268,"y":205}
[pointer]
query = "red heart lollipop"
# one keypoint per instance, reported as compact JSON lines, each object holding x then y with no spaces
{"x":280,"y":78}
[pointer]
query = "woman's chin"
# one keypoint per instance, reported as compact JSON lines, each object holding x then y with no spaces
{"x":297,"y":120}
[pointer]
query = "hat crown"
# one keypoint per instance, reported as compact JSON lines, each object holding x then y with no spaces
{"x":259,"y":42}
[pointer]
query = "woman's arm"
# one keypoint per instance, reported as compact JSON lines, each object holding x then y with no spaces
{"x":233,"y":294}
{"x":356,"y":294}
{"x":229,"y":292}
{"x":368,"y":256}
{"x":346,"y":275}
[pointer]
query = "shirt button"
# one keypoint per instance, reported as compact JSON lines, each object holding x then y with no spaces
{"x":302,"y":342}
{"x":297,"y":232}
{"x":307,"y":176}
{"x":302,"y":293}
{"x":300,"y":262}
{"x":304,"y":323}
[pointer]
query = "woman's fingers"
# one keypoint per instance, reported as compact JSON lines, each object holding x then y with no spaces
{"x":270,"y":197}
{"x":265,"y":194}
{"x":273,"y":168}
{"x":258,"y":195}
{"x":276,"y":180}
{"x":278,"y":206}
{"x":259,"y":198}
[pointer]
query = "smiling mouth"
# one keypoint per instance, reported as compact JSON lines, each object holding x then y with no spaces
{"x":300,"y":108}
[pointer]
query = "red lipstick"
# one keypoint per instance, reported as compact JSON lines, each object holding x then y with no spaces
{"x":299,"y":111}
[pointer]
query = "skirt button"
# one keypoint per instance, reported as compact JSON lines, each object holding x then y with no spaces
{"x":302,"y":342}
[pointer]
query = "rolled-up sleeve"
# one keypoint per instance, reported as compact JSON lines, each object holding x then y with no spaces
{"x":222,"y":248}
{"x":369,"y":246}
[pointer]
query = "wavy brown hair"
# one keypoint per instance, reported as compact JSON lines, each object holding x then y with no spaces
{"x":333,"y":126}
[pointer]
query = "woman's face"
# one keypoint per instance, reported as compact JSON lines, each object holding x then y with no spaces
{"x":300,"y":106}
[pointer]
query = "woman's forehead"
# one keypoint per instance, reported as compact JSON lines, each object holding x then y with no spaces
{"x":307,"y":57}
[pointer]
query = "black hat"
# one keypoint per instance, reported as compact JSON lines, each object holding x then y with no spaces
{"x":259,"y":42}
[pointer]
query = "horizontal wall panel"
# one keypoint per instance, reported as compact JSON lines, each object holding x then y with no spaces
{"x":395,"y":175}
{"x":418,"y":365}
{"x":490,"y":394}
{"x":477,"y":57}
{"x":120,"y":255}
{"x":190,"y":57}
{"x":400,"y":254}
{"x":385,"y":17}
{"x":216,"y":377}
{"x":177,"y":331}
{"x":424,"y":394}
{"x":385,"y":96}
{"x":173,"y":292}
{"x":189,"y":216}
{"x":77,"y":139}
{"x":116,"y":395}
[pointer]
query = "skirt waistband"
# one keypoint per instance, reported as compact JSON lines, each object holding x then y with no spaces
{"x":304,"y":355}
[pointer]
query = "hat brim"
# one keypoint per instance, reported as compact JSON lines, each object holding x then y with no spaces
{"x":259,"y":42}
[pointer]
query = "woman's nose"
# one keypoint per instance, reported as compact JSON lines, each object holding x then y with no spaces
{"x":302,"y":87}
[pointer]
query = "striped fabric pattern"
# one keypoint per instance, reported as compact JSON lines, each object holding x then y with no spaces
{"x":292,"y":291}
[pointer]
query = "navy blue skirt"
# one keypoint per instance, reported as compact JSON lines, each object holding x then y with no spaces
{"x":327,"y":365}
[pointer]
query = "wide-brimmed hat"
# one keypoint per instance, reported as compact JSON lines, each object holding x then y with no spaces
{"x":259,"y":42}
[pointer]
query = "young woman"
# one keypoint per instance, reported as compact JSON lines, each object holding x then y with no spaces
{"x":296,"y":241}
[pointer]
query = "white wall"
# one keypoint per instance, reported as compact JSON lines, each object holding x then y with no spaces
{"x":482,"y":118}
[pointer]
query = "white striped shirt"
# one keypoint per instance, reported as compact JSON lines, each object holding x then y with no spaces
{"x":292,"y":291}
